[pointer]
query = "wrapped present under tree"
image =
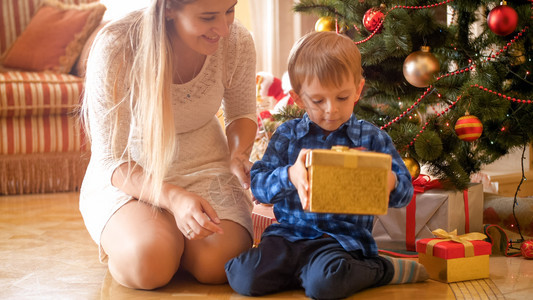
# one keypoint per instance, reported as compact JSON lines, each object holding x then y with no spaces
{"x":431,"y":208}
{"x":452,"y":257}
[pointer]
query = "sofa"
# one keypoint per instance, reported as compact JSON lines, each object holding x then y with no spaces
{"x":44,"y":45}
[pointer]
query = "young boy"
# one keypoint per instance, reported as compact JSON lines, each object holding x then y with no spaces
{"x":329,"y":255}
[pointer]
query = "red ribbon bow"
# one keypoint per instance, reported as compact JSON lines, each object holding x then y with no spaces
{"x":421,"y":184}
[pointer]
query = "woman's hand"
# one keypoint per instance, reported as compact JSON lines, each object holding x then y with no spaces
{"x":195,"y":217}
{"x":241,"y":136}
{"x":299,"y":177}
{"x":240,"y":166}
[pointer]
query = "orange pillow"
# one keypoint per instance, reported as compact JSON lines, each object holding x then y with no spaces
{"x":54,"y":37}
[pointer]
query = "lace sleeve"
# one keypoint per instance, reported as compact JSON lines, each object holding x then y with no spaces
{"x":100,"y":84}
{"x":239,"y":75}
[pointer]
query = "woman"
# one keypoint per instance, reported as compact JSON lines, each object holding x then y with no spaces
{"x":165,"y":187}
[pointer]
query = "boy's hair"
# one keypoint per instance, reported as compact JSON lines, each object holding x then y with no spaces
{"x":325,"y":55}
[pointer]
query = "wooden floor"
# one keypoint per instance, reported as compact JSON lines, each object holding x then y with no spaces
{"x":46,"y":253}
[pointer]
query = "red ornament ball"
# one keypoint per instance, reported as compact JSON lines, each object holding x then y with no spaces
{"x":468,"y":128}
{"x":502,"y":20}
{"x":372,"y":18}
{"x":527,"y":249}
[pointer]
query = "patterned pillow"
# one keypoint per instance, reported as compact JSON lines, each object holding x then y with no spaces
{"x":55,"y":36}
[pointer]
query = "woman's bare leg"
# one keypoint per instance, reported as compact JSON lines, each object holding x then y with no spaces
{"x":205,"y":258}
{"x":144,"y":246}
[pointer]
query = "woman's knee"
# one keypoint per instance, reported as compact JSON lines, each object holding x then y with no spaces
{"x":144,"y":265}
{"x":206,"y":259}
{"x":209,"y":269}
{"x":144,"y":246}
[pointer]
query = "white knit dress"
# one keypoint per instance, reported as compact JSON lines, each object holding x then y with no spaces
{"x":201,"y":162}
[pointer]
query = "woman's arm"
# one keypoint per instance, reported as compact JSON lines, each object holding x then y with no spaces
{"x":239,"y":101}
{"x":241,"y":135}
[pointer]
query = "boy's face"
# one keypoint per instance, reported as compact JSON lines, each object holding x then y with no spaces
{"x":328,"y":107}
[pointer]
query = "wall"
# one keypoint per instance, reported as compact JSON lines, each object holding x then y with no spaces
{"x":275,"y":28}
{"x":118,"y":8}
{"x":243,"y":12}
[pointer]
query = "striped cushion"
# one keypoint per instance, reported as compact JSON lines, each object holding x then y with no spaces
{"x":38,"y":93}
{"x":15,"y":15}
{"x":41,"y":134}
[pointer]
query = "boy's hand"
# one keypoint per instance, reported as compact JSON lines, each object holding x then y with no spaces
{"x":298,"y":176}
{"x":392,"y":181}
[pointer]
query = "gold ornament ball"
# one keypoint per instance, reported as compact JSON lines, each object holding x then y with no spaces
{"x":516,"y":54}
{"x":420,"y":67}
{"x":416,"y":117}
{"x":413,"y":166}
{"x":325,"y":24}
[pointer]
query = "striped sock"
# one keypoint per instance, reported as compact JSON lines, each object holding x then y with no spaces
{"x":406,"y":271}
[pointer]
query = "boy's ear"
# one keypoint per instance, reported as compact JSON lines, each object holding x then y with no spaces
{"x":297,"y":99}
{"x":360,"y":89}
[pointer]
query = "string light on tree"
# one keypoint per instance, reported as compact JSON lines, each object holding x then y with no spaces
{"x":502,"y":20}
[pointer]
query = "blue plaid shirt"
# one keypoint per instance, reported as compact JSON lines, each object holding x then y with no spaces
{"x":271,"y":184}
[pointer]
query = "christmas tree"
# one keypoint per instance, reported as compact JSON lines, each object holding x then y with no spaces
{"x":450,"y":81}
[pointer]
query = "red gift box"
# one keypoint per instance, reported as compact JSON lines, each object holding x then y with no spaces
{"x":262,"y":217}
{"x":451,"y":250}
{"x":455,"y":258}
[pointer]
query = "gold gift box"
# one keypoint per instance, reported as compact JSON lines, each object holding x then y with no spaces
{"x":348,"y":181}
{"x":449,"y":263}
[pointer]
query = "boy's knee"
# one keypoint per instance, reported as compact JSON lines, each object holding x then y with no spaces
{"x":330,"y":283}
{"x":240,"y":276}
{"x":325,"y":288}
{"x":319,"y":287}
{"x":246,"y":279}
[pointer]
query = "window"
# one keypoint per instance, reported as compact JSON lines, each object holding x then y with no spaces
{"x":118,"y":8}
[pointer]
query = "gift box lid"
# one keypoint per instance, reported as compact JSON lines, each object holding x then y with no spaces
{"x":451,"y":249}
{"x":349,"y":158}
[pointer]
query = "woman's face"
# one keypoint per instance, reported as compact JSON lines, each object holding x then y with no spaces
{"x":200,"y":24}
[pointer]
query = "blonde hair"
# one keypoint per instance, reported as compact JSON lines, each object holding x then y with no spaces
{"x":325,"y":55}
{"x":146,"y":90}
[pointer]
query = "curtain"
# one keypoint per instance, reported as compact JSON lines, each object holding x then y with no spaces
{"x":276,"y":28}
